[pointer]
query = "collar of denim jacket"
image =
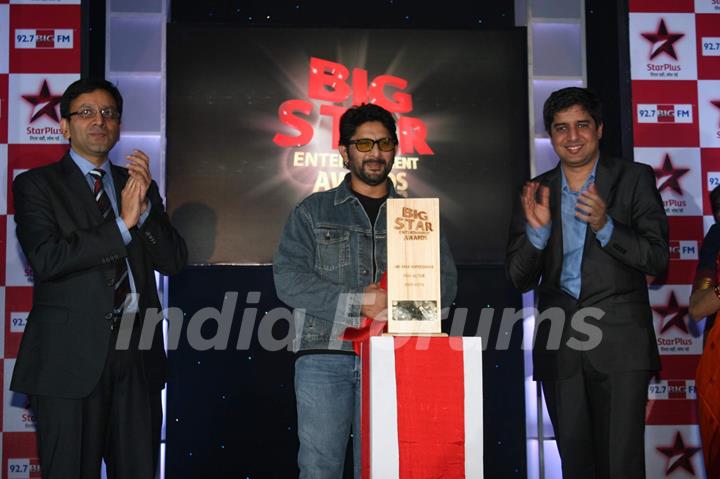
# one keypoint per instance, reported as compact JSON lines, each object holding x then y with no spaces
{"x":344,"y":192}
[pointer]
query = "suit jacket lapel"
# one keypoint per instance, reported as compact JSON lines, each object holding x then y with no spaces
{"x":555,"y":243}
{"x":80,"y":191}
{"x":120,"y":177}
{"x":79,"y":186}
{"x":605,"y":179}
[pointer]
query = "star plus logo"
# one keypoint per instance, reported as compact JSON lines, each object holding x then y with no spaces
{"x":716,"y":104}
{"x":662,"y":41}
{"x":671,"y":174}
{"x":678,"y":455}
{"x":673,"y":315}
{"x":44,"y":103}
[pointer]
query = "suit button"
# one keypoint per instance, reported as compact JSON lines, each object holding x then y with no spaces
{"x":110,"y":282}
{"x":108,"y":316}
{"x":364,"y":272}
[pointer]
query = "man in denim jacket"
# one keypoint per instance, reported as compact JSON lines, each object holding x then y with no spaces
{"x":331,"y":254}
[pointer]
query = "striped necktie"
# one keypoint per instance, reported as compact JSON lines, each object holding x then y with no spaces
{"x":122,"y":282}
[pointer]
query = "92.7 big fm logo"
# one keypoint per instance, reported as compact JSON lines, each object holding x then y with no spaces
{"x":665,"y":113}
{"x":43,"y":38}
{"x":23,"y":468}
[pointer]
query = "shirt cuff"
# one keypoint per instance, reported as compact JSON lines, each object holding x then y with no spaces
{"x":145,"y":215}
{"x":538,"y":236}
{"x":603,"y":236}
{"x":124,"y":231}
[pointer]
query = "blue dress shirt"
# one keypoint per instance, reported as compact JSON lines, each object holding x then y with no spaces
{"x":573,"y":231}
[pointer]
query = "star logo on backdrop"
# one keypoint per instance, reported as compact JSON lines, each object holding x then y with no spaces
{"x":673,"y":315}
{"x":662,"y":41}
{"x":678,"y":455}
{"x":716,"y":104}
{"x":669,"y":176}
{"x":44,"y":103}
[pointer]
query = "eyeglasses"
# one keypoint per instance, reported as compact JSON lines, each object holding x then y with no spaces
{"x":364,"y":145}
{"x":87,"y":113}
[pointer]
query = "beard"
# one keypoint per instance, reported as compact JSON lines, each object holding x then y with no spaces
{"x":371,"y":177}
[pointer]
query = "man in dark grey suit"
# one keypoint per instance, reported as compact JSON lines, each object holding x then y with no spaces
{"x":587,"y":234}
{"x":94,"y":234}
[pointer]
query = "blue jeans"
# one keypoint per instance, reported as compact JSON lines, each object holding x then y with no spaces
{"x":327,"y":388}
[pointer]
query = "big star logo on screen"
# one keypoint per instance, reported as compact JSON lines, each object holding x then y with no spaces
{"x":662,"y":47}
{"x":34,"y":106}
{"x":332,"y":83}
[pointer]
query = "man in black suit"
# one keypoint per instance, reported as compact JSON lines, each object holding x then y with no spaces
{"x":586,"y":234}
{"x":94,"y":234}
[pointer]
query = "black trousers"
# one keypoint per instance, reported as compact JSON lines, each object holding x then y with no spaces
{"x":119,"y":422}
{"x":599,"y":422}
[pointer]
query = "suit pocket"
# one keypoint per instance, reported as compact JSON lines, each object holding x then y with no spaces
{"x":42,"y":313}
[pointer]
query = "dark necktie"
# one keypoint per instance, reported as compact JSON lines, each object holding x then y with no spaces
{"x":122,"y":282}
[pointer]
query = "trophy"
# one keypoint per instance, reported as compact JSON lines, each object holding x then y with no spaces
{"x":413,"y":265}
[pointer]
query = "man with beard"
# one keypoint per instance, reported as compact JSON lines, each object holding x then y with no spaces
{"x":331,"y":255}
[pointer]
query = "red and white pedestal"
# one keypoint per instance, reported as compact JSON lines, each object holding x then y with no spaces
{"x":422,"y":410}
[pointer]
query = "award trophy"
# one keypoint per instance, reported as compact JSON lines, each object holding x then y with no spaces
{"x":413,"y":266}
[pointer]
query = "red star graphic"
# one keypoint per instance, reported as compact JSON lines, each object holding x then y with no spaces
{"x":44,"y":103}
{"x":678,"y":456}
{"x":665,"y":39}
{"x":673,"y":315}
{"x":716,"y":104}
{"x":674,"y":175}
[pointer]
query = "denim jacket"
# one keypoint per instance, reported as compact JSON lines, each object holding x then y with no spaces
{"x":328,"y":253}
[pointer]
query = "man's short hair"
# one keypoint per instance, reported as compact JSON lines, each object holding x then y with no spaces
{"x":88,"y":85}
{"x":565,"y":98}
{"x":357,"y":115}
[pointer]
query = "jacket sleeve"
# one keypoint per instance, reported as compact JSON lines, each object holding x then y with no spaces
{"x":642,"y":244}
{"x":53,"y":254}
{"x":160,"y":239}
{"x":523,"y":262}
{"x":300,"y":286}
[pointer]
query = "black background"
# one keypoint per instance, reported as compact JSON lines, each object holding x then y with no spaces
{"x":224,"y":171}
